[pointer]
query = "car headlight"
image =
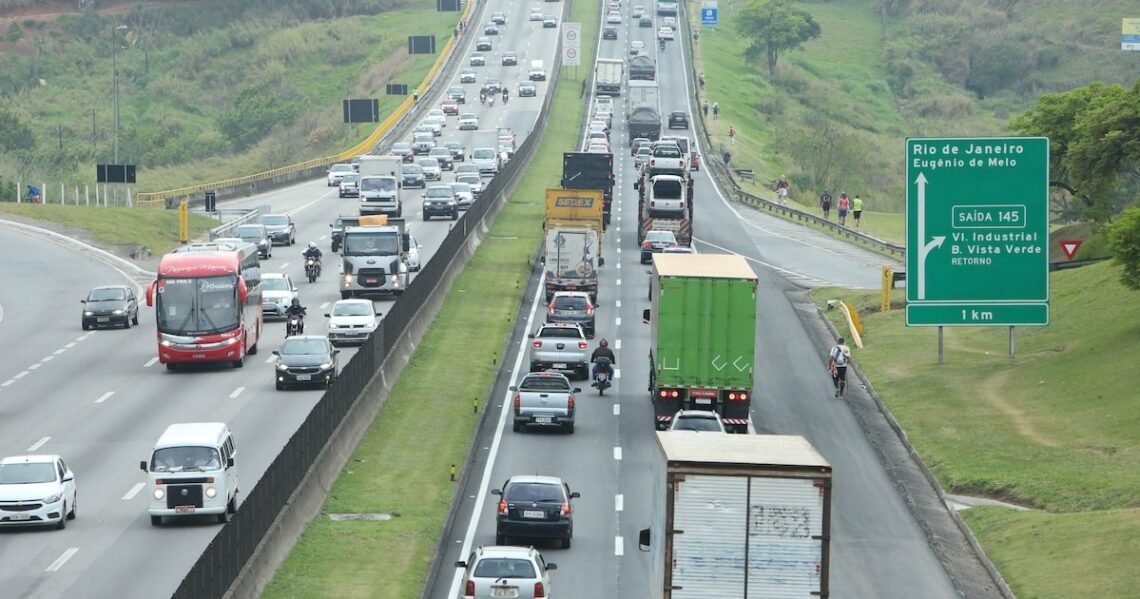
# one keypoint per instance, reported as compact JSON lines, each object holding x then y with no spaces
{"x":211,"y":492}
{"x":53,"y":498}
{"x":86,"y":313}
{"x":119,"y":312}
{"x":159,"y":494}
{"x":326,"y":365}
{"x":282,"y":366}
{"x":231,"y":340}
{"x":348,"y":278}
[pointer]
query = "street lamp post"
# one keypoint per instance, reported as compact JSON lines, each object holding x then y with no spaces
{"x":115,"y":85}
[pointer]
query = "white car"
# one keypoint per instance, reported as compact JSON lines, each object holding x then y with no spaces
{"x":477,"y":60}
{"x":665,"y":33}
{"x":464,"y":195}
{"x":670,"y":22}
{"x":277,"y":292}
{"x":536,"y":14}
{"x":468,"y":120}
{"x":337,"y":172}
{"x":667,"y":195}
{"x":636,"y":47}
{"x":466,"y":169}
{"x":430,"y":124}
{"x":412,"y":256}
{"x":698,"y":421}
{"x":598,"y":149}
{"x":473,"y":180}
{"x":503,"y":571}
{"x":432,"y":170}
{"x":352,"y":321}
{"x":487,"y":159}
{"x":437,"y":114}
{"x":36,"y":489}
{"x":597,"y":137}
{"x":613,"y":18}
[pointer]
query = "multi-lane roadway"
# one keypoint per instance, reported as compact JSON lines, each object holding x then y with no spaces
{"x":100,"y":399}
{"x":877,"y":548}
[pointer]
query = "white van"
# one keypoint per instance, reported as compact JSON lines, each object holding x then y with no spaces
{"x":192,"y":471}
{"x":537,"y":71}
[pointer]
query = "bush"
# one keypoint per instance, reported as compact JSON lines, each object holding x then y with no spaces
{"x":14,"y":32}
{"x":771,"y":107}
{"x":1124,"y":240}
{"x":997,"y":67}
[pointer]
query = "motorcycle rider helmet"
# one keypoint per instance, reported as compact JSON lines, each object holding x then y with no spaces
{"x":312,"y":245}
{"x":603,"y":343}
{"x":296,"y":303}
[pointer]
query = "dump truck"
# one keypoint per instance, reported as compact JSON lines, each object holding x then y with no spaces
{"x":651,"y":189}
{"x":608,"y":76}
{"x":642,"y":68}
{"x":644,"y":116}
{"x":585,"y":170}
{"x":738,"y":516}
{"x":703,"y":336}
{"x":573,"y":250}
{"x":374,"y":254}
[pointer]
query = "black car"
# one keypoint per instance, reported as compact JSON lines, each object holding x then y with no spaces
{"x":534,"y":507}
{"x":257,"y":235}
{"x":457,"y":93}
{"x":609,"y":33}
{"x":110,"y":306}
{"x":458,"y":152}
{"x":491,"y":29}
{"x":281,"y":229}
{"x":527,"y":89}
{"x":572,"y":307}
{"x":305,"y":360}
{"x":483,"y":44}
{"x":678,"y":119}
{"x":439,"y":200}
{"x":444,"y":156}
{"x":646,"y":21}
{"x":413,"y":176}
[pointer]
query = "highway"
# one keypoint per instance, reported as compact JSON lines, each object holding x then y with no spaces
{"x":100,"y":399}
{"x":877,"y":548}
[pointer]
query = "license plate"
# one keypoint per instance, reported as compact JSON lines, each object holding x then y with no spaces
{"x":560,"y":366}
{"x":504,"y":591}
{"x":704,"y":400}
{"x":542,"y":419}
{"x":304,"y":377}
{"x":184,"y":509}
{"x":370,"y":279}
{"x":21,"y":517}
{"x":103,"y":319}
{"x":534,"y":514}
{"x":198,"y":356}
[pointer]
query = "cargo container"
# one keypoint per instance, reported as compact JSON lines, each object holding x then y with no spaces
{"x":573,"y":250}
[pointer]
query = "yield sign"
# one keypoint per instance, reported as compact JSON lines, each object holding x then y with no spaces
{"x":1070,"y":247}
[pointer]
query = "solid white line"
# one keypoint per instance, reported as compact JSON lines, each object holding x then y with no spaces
{"x":619,"y":502}
{"x":150,"y":362}
{"x":47,"y":358}
{"x":104,"y":397}
{"x":58,"y":563}
{"x":617,"y":409}
{"x":485,"y":482}
{"x":619,"y":546}
{"x":58,"y":351}
{"x":617,"y":343}
{"x":236,"y":392}
{"x":38,"y":444}
{"x":270,"y":359}
{"x":617,"y":453}
{"x":35,"y":366}
{"x":20,"y":375}
{"x":134,"y":491}
{"x":70,"y":345}
{"x":324,"y":305}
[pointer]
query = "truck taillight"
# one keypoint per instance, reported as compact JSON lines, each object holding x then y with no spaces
{"x":503,"y":507}
{"x":652,"y":203}
{"x":469,"y":589}
{"x":518,"y":402}
{"x":670,"y":393}
{"x":682,"y":204}
{"x":583,"y":345}
{"x":646,"y":245}
{"x":539,"y":590}
{"x":737,"y":396}
{"x":570,"y":402}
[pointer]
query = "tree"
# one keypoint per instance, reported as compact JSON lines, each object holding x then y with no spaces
{"x":774,"y":26}
{"x":1124,"y":240}
{"x":15,"y":134}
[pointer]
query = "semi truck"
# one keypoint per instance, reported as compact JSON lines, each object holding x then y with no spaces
{"x":649,"y":214}
{"x":573,"y":250}
{"x":644,"y":117}
{"x":642,"y":68}
{"x":585,"y":170}
{"x":608,"y":76}
{"x":374,"y":254}
{"x":738,"y":516}
{"x":703,"y":336}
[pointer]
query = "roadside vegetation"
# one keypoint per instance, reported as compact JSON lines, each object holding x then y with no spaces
{"x":393,"y":470}
{"x":207,"y":90}
{"x":122,"y":230}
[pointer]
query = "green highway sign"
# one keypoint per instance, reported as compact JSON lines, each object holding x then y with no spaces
{"x":977,"y":231}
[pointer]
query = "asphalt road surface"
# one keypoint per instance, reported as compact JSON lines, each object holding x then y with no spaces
{"x":877,"y":548}
{"x":100,"y":399}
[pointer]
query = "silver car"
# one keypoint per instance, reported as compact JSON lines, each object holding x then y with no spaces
{"x":506,"y":572}
{"x":562,"y":348}
{"x":544,"y":399}
{"x":277,"y":292}
{"x":257,"y":235}
{"x":432,"y":170}
{"x":337,"y":172}
{"x":473,"y":180}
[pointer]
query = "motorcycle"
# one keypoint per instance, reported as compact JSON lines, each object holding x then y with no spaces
{"x":295,"y":326}
{"x":312,"y":269}
{"x":505,"y":97}
{"x":662,"y":45}
{"x":602,"y":378}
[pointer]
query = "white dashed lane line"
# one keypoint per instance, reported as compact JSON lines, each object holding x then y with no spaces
{"x":619,"y":546}
{"x":38,"y":444}
{"x":617,"y":409}
{"x":270,"y":359}
{"x":104,"y":397}
{"x":619,"y":502}
{"x":617,"y":453}
{"x":134,"y":491}
{"x":150,"y":362}
{"x":61,"y":560}
{"x":236,"y":392}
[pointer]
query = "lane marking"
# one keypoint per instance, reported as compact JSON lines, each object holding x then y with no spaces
{"x":236,"y":392}
{"x":619,"y":282}
{"x":59,"y":562}
{"x":47,"y":358}
{"x":270,"y":359}
{"x":7,"y":382}
{"x":104,"y":397}
{"x":619,"y":546}
{"x":284,"y":266}
{"x":617,"y":409}
{"x":134,"y":491}
{"x":58,"y":351}
{"x":70,"y":345}
{"x":617,"y":321}
{"x":617,"y":373}
{"x":38,"y":444}
{"x":150,"y":362}
{"x":619,"y":502}
{"x":35,"y":366}
{"x":324,"y":305}
{"x":619,"y":265}
{"x":20,"y":375}
{"x":617,"y":453}
{"x":617,"y":303}
{"x":617,"y":343}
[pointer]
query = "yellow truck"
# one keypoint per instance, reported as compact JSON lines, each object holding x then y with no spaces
{"x":573,"y":225}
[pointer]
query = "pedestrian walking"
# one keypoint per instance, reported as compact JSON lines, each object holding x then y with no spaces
{"x":732,"y":134}
{"x":716,"y":111}
{"x":837,"y":361}
{"x":415,"y":95}
{"x":706,"y":109}
{"x":701,"y":81}
{"x":825,"y":203}
{"x":857,"y":209}
{"x":782,"y":190}
{"x":842,"y":207}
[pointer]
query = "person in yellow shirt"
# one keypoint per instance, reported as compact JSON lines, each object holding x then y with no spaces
{"x":857,"y":209}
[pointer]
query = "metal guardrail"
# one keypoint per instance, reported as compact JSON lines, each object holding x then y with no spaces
{"x":170,"y":198}
{"x":226,"y":229}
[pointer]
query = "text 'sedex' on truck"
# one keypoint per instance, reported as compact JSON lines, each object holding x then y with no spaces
{"x":573,"y":249}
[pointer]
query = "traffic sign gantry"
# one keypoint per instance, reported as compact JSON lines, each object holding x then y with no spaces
{"x":977,"y":229}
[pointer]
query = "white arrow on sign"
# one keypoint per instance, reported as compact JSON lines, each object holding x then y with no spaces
{"x":738,"y":366}
{"x":927,"y":246}
{"x":721,"y":366}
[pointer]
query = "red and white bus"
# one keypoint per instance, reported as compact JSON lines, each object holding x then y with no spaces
{"x":207,"y":301}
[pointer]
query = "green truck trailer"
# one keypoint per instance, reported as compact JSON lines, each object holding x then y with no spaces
{"x":703,"y":340}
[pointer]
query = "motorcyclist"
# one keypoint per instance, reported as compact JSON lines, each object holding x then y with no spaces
{"x":33,"y":193}
{"x":483,"y":96}
{"x":296,"y":309}
{"x":315,"y":253}
{"x":661,"y":43}
{"x":506,"y":95}
{"x":603,"y":351}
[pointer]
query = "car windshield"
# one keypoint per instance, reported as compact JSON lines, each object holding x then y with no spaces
{"x":401,"y":146}
{"x":571,"y":303}
{"x":412,"y":170}
{"x":274,"y":284}
{"x":304,"y":347}
{"x":545,"y":383}
{"x":373,"y":243}
{"x":660,"y":236}
{"x":340,"y":168}
{"x":667,"y":152}
{"x":667,"y":189}
{"x":560,"y":333}
{"x":534,"y":492}
{"x":484,"y":154}
{"x":644,"y":152}
{"x":27,"y":473}
{"x":471,"y":180}
{"x":440,"y":192}
{"x":429,"y":163}
{"x":184,"y":459}
{"x":105,"y":295}
{"x":697,"y":423}
{"x":198,"y":306}
{"x":250,"y":232}
{"x":353,"y":309}
{"x":377,"y":184}
{"x":273,"y":219}
{"x":499,"y":567}
{"x":350,"y":178}
{"x":460,"y":188}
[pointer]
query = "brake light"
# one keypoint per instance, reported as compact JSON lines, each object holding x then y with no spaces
{"x":550,"y":309}
{"x":583,"y":345}
{"x":570,"y":402}
{"x":538,"y":344}
{"x":670,"y":393}
{"x":539,"y":590}
{"x":565,"y":509}
{"x":518,"y":402}
{"x":503,"y":507}
{"x":469,"y":590}
{"x":647,"y":245}
{"x":737,"y":396}
{"x":589,"y":310}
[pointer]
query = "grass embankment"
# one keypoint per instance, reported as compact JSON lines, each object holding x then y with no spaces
{"x":120,"y":227}
{"x":426,"y":425}
{"x":1056,"y":428}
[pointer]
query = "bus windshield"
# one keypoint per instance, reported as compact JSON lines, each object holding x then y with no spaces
{"x":198,"y":306}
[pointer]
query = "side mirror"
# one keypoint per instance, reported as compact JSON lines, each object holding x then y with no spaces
{"x":229,"y":462}
{"x":276,"y":352}
{"x":142,"y":465}
{"x":379,"y":313}
{"x":577,"y":389}
{"x":575,"y":495}
{"x":328,"y":315}
{"x":530,"y":336}
{"x":294,"y":290}
{"x":645,"y":316}
{"x":601,"y":261}
{"x":516,"y":388}
{"x":496,"y":492}
{"x":550,"y":567}
{"x":643,"y":539}
{"x":330,"y":225}
{"x":336,"y":352}
{"x":461,"y":564}
{"x":83,"y":301}
{"x":68,"y":476}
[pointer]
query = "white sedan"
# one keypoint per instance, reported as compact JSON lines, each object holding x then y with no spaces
{"x":36,"y":489}
{"x":467,"y":121}
{"x":613,"y":18}
{"x":337,"y":172}
{"x":352,"y":321}
{"x":665,"y":33}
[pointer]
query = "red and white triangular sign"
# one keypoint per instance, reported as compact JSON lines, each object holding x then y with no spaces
{"x":1070,"y":247}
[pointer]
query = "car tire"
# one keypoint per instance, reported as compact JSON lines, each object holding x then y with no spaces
{"x":238,"y":363}
{"x":74,"y":504}
{"x":455,"y":215}
{"x":86,"y":327}
{"x":252,"y":351}
{"x":569,"y":430}
{"x":426,"y":218}
{"x":127,"y":323}
{"x":280,"y":386}
{"x":171,"y":366}
{"x":345,"y":295}
{"x":62,"y":524}
{"x":500,"y":539}
{"x":156,"y":520}
{"x":566,"y":542}
{"x":517,"y":427}
{"x":135,"y":318}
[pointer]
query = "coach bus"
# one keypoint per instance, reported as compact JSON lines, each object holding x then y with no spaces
{"x":207,"y":301}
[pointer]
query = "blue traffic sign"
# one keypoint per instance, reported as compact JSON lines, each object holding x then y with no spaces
{"x":708,"y":15}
